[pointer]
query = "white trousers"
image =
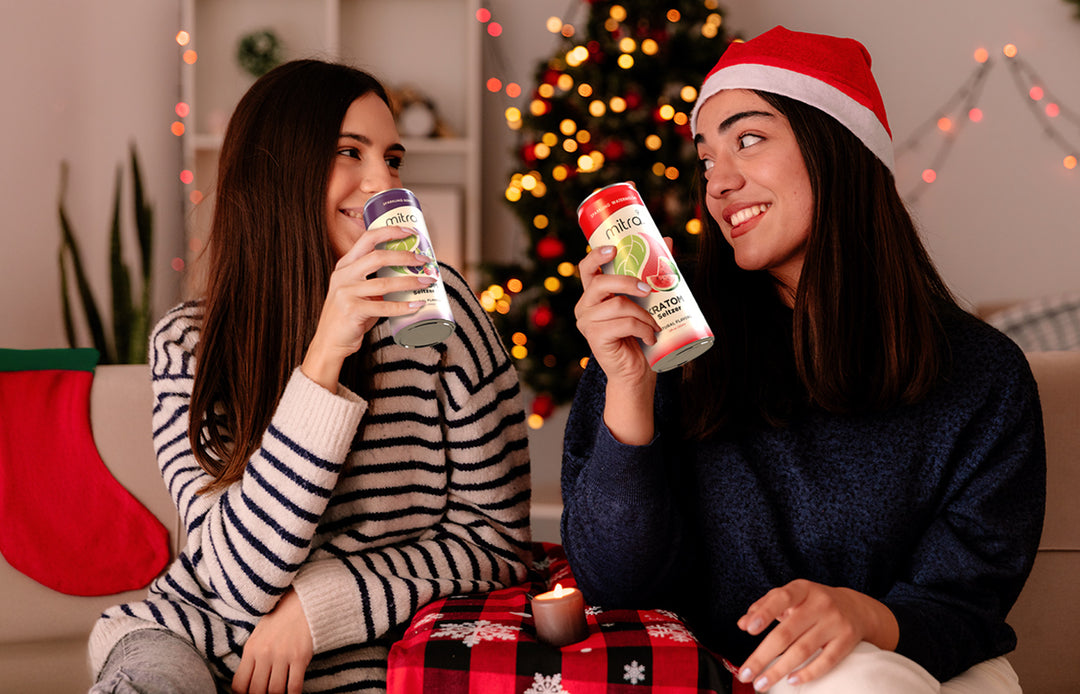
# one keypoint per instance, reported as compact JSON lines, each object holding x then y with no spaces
{"x":868,"y":669}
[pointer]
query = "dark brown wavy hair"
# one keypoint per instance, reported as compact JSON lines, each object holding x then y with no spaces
{"x":270,"y":256}
{"x":865,"y":332}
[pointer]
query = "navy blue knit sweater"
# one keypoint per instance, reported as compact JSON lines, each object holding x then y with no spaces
{"x":935,"y":509}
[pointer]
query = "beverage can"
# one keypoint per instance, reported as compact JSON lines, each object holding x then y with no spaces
{"x":434,"y":321}
{"x":615,"y":215}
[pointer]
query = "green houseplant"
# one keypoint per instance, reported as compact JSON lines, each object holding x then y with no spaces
{"x":131,"y":326}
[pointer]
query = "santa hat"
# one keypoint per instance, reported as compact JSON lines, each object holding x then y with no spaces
{"x":830,"y":73}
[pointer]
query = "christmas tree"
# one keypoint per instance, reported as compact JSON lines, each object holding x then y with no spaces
{"x":611,"y":105}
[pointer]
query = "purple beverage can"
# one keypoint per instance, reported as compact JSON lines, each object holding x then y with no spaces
{"x":615,"y":215}
{"x":434,"y":321}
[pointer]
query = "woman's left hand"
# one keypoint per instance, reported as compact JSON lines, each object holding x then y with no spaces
{"x":278,"y":651}
{"x":811,"y":617}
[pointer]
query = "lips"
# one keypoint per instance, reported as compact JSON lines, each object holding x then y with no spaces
{"x":745,"y":214}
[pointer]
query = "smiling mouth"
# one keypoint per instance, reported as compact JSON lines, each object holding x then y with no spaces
{"x":748,"y":213}
{"x":352,"y":213}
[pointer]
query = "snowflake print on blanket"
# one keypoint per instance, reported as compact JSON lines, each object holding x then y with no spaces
{"x":472,"y":633}
{"x":426,"y":619}
{"x":635,"y":672}
{"x":669,"y":630}
{"x":546,"y":685}
{"x":542,"y":565}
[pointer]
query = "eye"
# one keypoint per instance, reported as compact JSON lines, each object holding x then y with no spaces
{"x":748,"y":139}
{"x":351,"y":152}
{"x":395,"y":162}
{"x":706,"y":164}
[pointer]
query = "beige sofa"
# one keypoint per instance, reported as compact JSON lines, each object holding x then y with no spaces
{"x":43,"y":633}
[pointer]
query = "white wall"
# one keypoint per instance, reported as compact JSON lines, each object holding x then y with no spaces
{"x":80,"y":81}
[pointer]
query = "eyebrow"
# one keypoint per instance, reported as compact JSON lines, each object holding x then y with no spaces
{"x":365,"y":140}
{"x":732,"y":120}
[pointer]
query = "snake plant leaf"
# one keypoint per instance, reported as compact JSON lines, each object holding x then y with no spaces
{"x":144,"y":219}
{"x":65,"y":304}
{"x":144,"y":233}
{"x":120,"y":281}
{"x":86,"y":295}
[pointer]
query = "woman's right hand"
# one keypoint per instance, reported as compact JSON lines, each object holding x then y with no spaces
{"x":612,"y":323}
{"x":276,"y":655}
{"x":354,"y":301}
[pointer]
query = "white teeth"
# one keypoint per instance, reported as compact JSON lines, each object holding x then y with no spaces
{"x":352,"y":213}
{"x":748,"y":213}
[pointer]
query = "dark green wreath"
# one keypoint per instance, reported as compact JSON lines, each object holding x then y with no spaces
{"x":259,"y":52}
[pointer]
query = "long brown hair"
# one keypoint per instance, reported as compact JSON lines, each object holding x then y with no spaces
{"x":270,"y":257}
{"x":865,"y":331}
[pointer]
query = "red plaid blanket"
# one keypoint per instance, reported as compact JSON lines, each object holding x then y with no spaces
{"x":486,"y":644}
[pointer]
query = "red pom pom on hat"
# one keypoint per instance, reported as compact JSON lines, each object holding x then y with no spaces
{"x":827,"y":72}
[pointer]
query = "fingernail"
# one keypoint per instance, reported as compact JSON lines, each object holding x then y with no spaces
{"x":426,"y":281}
{"x":755,"y":624}
{"x":607,"y":250}
{"x":793,"y":680}
{"x":423,"y":258}
{"x":761,"y":685}
{"x":744,"y":676}
{"x":417,"y":304}
{"x":642,"y":287}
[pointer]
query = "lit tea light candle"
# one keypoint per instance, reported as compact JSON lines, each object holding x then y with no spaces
{"x":559,"y":615}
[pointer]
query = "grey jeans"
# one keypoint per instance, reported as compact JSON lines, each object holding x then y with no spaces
{"x":154,"y":661}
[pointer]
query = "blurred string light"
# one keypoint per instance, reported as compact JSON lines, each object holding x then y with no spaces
{"x":962,"y":108}
{"x":1046,"y":109}
{"x":949,"y":119}
{"x":494,"y":84}
{"x":179,"y":128}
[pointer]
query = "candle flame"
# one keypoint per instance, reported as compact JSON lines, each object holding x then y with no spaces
{"x":558,"y":590}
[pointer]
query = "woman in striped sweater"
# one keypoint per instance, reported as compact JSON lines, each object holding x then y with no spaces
{"x":330,"y":481}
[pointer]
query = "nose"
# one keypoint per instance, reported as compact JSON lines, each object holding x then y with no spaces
{"x":723,"y":178}
{"x":377,"y":177}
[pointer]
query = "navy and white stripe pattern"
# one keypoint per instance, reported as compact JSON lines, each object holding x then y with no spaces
{"x":369,"y":507}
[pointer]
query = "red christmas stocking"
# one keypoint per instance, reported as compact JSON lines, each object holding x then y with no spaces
{"x":64,"y":519}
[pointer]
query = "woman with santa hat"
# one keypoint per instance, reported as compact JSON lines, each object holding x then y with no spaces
{"x":845,"y":494}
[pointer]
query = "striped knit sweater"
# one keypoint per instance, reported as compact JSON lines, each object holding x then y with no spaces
{"x":368,"y":506}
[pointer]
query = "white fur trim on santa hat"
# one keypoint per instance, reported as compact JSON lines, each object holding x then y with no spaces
{"x":857,"y":118}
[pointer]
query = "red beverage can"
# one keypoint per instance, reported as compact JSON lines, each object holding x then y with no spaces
{"x":615,"y":215}
{"x":434,"y":321}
